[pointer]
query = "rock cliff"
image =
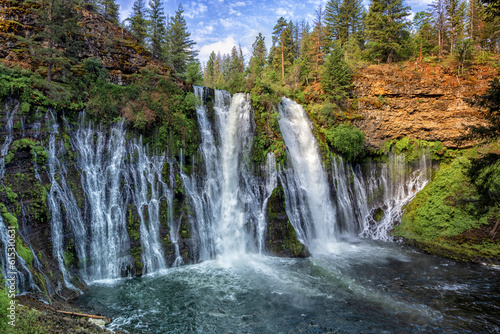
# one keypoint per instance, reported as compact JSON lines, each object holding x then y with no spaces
{"x":424,"y":101}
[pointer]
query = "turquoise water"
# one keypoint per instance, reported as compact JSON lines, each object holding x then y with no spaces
{"x":353,"y":287}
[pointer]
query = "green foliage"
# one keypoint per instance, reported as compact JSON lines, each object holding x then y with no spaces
{"x":347,"y":140}
{"x":444,"y":207}
{"x":485,"y":175}
{"x":463,"y":53}
{"x":28,"y":143}
{"x":414,"y":148}
{"x":336,"y":75}
{"x":180,"y":48}
{"x":4,"y":303}
{"x":385,"y":28}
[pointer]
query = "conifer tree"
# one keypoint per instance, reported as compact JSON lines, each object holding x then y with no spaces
{"x":332,"y":19}
{"x":282,"y":45}
{"x":258,"y":59}
{"x":336,"y":75}
{"x":180,"y":46}
{"x":209,"y":74}
{"x":59,"y":20}
{"x":110,"y":10}
{"x":138,"y":22}
{"x":425,"y":32}
{"x":437,"y":10}
{"x":385,"y":28}
{"x":455,"y":19}
{"x":156,"y":27}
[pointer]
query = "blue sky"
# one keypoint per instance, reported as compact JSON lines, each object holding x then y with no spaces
{"x":219,"y":25}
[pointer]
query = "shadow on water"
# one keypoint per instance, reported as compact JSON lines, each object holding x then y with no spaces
{"x":357,"y":287}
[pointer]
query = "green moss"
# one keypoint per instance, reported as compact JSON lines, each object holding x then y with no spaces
{"x":443,"y":208}
{"x":133,"y":224}
{"x":378,"y":215}
{"x":24,"y":252}
{"x":414,"y":148}
{"x":11,"y":220}
{"x":32,"y":145}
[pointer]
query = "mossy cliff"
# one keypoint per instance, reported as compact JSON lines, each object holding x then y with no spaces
{"x":281,"y":239}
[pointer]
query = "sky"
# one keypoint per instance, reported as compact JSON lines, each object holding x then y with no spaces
{"x":218,"y":25}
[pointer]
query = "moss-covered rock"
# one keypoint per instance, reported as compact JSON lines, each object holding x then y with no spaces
{"x":442,"y":218}
{"x":281,"y":238}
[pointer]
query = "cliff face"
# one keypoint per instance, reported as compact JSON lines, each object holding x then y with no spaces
{"x":419,"y":101}
{"x":117,"y":49}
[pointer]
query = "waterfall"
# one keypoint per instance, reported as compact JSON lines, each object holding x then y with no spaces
{"x":64,"y":211}
{"x":116,"y":173}
{"x":8,"y":137}
{"x":229,"y":201}
{"x":389,"y":188}
{"x":148,"y":189}
{"x":308,"y":202}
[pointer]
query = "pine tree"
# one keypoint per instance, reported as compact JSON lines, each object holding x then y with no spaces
{"x":317,"y":45}
{"x":437,"y":10}
{"x":180,"y":46}
{"x":110,"y":10}
{"x":455,"y":21}
{"x":209,"y":75}
{"x":59,"y":20}
{"x":156,"y":27}
{"x":280,"y":40}
{"x":332,"y":20}
{"x":476,"y":16}
{"x":138,"y":22}
{"x":258,"y":59}
{"x":385,"y":28}
{"x":236,"y":77}
{"x":425,"y":32}
{"x":336,"y":75}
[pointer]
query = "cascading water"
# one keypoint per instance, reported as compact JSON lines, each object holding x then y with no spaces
{"x":8,"y":137}
{"x":148,"y":191}
{"x":115,"y":174}
{"x":62,"y":205}
{"x":230,"y":200}
{"x":389,"y":188}
{"x":308,"y":202}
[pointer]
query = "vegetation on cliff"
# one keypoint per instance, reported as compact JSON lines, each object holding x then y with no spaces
{"x":458,"y":213}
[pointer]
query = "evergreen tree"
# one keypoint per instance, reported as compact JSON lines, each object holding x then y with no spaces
{"x":332,"y":19}
{"x":236,"y":75}
{"x":180,"y":46}
{"x":317,"y":45}
{"x":138,"y":22}
{"x":385,"y":28}
{"x":455,"y":18}
{"x":476,"y":16}
{"x":437,"y":10}
{"x":258,"y":59}
{"x":194,"y":74}
{"x":59,"y":20}
{"x":281,"y":39}
{"x":336,"y":75}
{"x":425,"y":33}
{"x":156,"y":27}
{"x":110,"y":10}
{"x":209,"y":75}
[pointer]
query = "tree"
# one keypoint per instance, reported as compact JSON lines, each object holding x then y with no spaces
{"x":194,"y":75}
{"x":258,"y":59}
{"x":455,"y":19}
{"x":343,"y":19}
{"x":425,"y":32}
{"x":385,"y":28}
{"x":437,"y":10}
{"x":209,"y":75}
{"x":110,"y":10}
{"x":156,"y":27}
{"x":180,"y":46}
{"x":332,"y":19}
{"x":138,"y":22}
{"x":336,"y":75}
{"x":56,"y":41}
{"x":282,"y":52}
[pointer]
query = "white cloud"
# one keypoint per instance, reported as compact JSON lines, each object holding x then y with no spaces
{"x":282,"y":12}
{"x":238,"y":4}
{"x":234,"y":12}
{"x":223,"y":47}
{"x":195,"y":9}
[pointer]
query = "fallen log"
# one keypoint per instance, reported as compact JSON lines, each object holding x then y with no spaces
{"x":85,"y":315}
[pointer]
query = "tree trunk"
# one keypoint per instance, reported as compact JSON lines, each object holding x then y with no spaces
{"x":282,"y":62}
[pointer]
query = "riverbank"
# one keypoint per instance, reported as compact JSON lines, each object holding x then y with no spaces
{"x":35,"y":316}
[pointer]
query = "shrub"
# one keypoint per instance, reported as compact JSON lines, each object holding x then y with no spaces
{"x":347,"y":140}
